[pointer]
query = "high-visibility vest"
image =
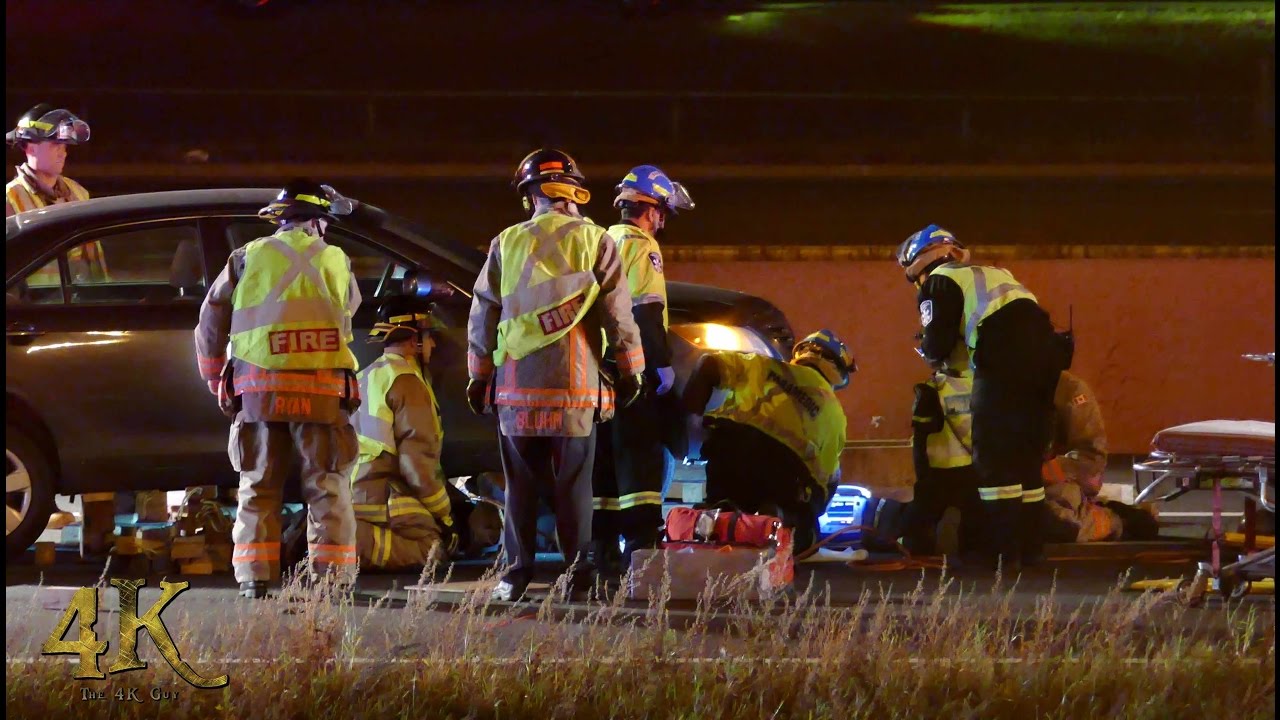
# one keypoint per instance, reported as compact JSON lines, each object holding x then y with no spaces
{"x":986,"y":290}
{"x":642,"y":260}
{"x":22,"y":197}
{"x":952,"y":447}
{"x":375,"y":422}
{"x":792,"y":404}
{"x":375,"y":428}
{"x":289,"y":310}
{"x":548,"y":281}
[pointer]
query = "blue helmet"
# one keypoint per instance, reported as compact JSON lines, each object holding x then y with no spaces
{"x":647,"y":183}
{"x":832,"y":348}
{"x":931,"y":236}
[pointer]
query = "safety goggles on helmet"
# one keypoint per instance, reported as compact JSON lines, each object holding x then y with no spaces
{"x":680,"y":198}
{"x":322,"y":203}
{"x":825,"y":344}
{"x":58,"y":126}
{"x":415,"y":322}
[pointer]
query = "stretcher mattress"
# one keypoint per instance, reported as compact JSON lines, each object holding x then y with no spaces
{"x":1218,"y":437}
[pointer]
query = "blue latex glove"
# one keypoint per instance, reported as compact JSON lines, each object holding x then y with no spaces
{"x":666,"y":379}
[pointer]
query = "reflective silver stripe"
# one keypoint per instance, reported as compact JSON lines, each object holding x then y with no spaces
{"x":525,"y":299}
{"x":604,"y":504}
{"x":982,"y":299}
{"x":1004,"y":492}
{"x":1036,"y":495}
{"x":648,"y":298}
{"x":640,"y":498}
{"x":286,"y":311}
{"x":273,"y":310}
{"x":370,"y":513}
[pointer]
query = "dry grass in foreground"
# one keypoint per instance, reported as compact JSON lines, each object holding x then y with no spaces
{"x":944,"y":654}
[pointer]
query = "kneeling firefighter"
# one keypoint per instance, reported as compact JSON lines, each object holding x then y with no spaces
{"x":774,"y":429}
{"x":405,"y":510}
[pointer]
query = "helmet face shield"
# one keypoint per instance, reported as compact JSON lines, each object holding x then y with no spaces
{"x":54,"y":126}
{"x":339,"y":204}
{"x":680,"y":198}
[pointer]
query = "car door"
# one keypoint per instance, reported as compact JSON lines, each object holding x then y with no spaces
{"x":379,"y":262}
{"x":105,"y":355}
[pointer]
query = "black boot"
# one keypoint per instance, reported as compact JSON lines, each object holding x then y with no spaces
{"x":607,"y":558}
{"x":254,"y":589}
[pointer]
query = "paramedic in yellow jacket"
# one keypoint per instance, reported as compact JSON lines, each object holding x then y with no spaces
{"x":628,"y":497}
{"x":774,"y":429}
{"x":547,"y":288}
{"x":403,"y":514}
{"x":42,"y":134}
{"x":281,"y":309}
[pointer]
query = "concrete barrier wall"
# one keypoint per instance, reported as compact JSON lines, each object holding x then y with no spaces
{"x":1158,"y":339}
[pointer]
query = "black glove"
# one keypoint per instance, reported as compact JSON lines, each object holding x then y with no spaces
{"x":927,"y":413}
{"x":449,"y":540}
{"x":629,"y":388}
{"x":476,"y":392}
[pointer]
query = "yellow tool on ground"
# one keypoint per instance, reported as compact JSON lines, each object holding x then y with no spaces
{"x":1256,"y":587}
{"x":1260,"y":542}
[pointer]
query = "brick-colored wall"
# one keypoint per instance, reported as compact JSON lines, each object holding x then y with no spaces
{"x":1158,"y":339}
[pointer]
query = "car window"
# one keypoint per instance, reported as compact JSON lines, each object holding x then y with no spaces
{"x":368,"y":263}
{"x":135,"y":264}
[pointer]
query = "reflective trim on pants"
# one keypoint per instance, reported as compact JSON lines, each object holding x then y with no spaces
{"x":639,"y":498}
{"x":1004,"y":492}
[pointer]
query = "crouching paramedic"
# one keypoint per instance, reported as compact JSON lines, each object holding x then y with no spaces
{"x":403,"y":517}
{"x":1016,"y":360}
{"x":774,"y":430}
{"x":281,"y":309}
{"x":942,"y":452}
{"x":1073,"y":475}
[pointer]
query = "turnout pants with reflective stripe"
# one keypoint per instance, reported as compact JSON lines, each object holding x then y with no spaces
{"x":1013,"y":386}
{"x":262,"y":452}
{"x":387,"y":549}
{"x":556,"y":466}
{"x":630,"y":460}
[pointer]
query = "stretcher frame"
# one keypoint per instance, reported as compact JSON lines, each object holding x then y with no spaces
{"x":1190,"y":471}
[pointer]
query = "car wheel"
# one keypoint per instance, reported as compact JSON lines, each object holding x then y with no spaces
{"x":28,"y":491}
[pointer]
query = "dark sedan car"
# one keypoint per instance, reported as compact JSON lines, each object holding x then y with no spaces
{"x":102,"y":296}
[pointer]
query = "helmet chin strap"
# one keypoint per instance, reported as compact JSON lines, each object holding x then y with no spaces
{"x":821,"y":364}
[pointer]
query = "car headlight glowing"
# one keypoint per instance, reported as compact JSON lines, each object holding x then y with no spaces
{"x":714,"y":336}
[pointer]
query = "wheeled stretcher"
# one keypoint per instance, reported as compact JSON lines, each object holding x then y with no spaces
{"x":1218,"y":455}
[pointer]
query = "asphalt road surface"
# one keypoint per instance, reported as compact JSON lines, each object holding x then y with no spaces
{"x":1075,"y":577}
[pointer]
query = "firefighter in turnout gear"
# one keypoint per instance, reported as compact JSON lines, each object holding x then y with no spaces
{"x":1073,"y":475}
{"x":632,"y":466}
{"x":398,"y":490}
{"x":42,"y":135}
{"x":774,"y":429}
{"x":942,"y":453}
{"x":272,"y":345}
{"x":1016,"y":359}
{"x":547,"y":288}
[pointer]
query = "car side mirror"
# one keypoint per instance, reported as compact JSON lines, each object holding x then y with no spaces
{"x":421,"y":285}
